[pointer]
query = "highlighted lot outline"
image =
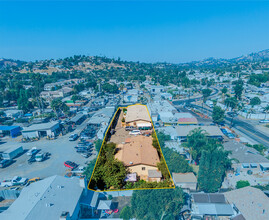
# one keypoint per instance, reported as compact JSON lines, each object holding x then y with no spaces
{"x":104,"y":140}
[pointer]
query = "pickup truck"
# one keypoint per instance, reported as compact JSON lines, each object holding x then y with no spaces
{"x":16,"y":181}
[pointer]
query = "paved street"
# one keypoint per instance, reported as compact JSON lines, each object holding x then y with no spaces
{"x":61,"y":150}
{"x":244,"y":127}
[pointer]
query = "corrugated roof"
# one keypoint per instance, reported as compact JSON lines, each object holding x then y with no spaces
{"x":38,"y":127}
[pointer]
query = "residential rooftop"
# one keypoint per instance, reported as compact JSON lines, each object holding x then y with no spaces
{"x":251,"y":202}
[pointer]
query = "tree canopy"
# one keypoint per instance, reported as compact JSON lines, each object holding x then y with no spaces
{"x":155,"y":204}
{"x":218,"y":114}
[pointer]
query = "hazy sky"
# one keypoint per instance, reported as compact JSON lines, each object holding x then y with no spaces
{"x":174,"y":31}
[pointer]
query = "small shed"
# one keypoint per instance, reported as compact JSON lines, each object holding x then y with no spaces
{"x":154,"y":175}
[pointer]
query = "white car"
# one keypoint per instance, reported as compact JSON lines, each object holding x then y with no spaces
{"x":135,"y":132}
{"x":16,"y":181}
{"x":31,"y":151}
{"x":264,"y":121}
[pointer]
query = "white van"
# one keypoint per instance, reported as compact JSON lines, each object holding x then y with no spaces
{"x":135,"y":132}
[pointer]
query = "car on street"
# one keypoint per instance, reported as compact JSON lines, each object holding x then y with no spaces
{"x":5,"y":163}
{"x":135,"y":132}
{"x":71,"y":165}
{"x":73,"y":137}
{"x":264,"y":121}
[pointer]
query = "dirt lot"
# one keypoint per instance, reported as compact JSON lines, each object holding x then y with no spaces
{"x":120,"y":133}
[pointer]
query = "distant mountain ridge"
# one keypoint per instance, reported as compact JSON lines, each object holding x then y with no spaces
{"x":10,"y":62}
{"x":252,"y":57}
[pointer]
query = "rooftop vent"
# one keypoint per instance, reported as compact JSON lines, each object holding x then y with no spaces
{"x":49,"y":204}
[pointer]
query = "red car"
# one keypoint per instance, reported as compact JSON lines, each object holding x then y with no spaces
{"x":70,"y":164}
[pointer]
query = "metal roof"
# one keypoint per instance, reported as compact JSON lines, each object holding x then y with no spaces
{"x":77,"y":118}
{"x":39,"y":127}
{"x":8,"y":128}
{"x":215,"y":209}
{"x":183,"y":131}
{"x":209,"y":198}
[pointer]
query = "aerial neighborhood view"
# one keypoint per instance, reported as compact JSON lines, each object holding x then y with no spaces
{"x":154,"y":110}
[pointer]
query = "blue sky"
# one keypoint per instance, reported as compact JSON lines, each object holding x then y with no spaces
{"x":174,"y":31}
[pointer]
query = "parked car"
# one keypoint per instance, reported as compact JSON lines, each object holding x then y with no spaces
{"x":5,"y":163}
{"x":40,"y":157}
{"x":129,"y":128}
{"x":16,"y":181}
{"x":32,"y":159}
{"x":80,"y":169}
{"x":81,"y":144}
{"x":73,"y":137}
{"x":135,"y":132}
{"x":70,"y":164}
{"x":32,"y":151}
{"x":86,"y":154}
{"x":264,"y":121}
{"x":35,"y":179}
{"x":83,"y":150}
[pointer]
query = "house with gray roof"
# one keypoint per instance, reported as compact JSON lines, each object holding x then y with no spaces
{"x":250,"y":202}
{"x":245,"y":158}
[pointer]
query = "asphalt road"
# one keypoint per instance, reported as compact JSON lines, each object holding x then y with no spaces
{"x":189,"y":101}
{"x":244,"y":127}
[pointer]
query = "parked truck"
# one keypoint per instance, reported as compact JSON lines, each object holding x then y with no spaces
{"x":16,"y":181}
{"x":12,"y":153}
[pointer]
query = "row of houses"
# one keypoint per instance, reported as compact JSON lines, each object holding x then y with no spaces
{"x":69,"y":82}
{"x":166,"y":114}
{"x":61,"y":198}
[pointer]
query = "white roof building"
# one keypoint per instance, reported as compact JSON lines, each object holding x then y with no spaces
{"x":47,"y":199}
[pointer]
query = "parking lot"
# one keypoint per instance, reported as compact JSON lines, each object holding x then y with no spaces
{"x":61,"y":150}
